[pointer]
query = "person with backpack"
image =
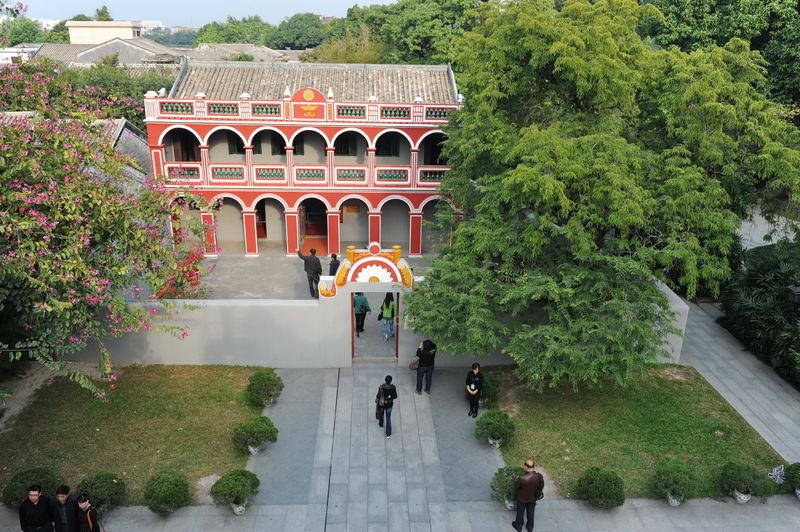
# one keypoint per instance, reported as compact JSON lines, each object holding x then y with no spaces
{"x":88,"y":514}
{"x":387,"y":314}
{"x":361,"y":309}
{"x":384,"y":400}
{"x":529,"y":488}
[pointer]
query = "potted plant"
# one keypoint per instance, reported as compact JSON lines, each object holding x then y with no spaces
{"x":252,"y":435}
{"x":235,"y":489}
{"x":791,"y":475}
{"x":502,"y":485}
{"x":601,"y":489}
{"x":264,"y":387}
{"x":496,"y":426}
{"x":675,"y":481}
{"x":743,"y":481}
{"x":167,"y":490}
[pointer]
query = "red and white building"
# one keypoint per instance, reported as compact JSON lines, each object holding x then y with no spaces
{"x":335,"y":154}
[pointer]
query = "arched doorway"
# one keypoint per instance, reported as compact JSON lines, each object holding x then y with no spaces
{"x":354,"y":227}
{"x":433,"y":238}
{"x":271,"y":227}
{"x":230,"y":227}
{"x":313,"y":226}
{"x":395,"y":224}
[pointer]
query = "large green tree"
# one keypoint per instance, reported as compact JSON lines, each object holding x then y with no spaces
{"x":80,"y":240}
{"x":20,"y":30}
{"x":298,"y":32}
{"x":586,"y":165}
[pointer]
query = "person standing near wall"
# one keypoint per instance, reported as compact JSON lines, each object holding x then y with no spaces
{"x":334,"y":265}
{"x":361,"y":309}
{"x":313,"y":269}
{"x":388,"y":314}
{"x":388,"y":393}
{"x":474,"y":385}
{"x":426,"y":354}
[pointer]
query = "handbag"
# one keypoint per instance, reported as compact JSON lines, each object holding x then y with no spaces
{"x":540,"y":491}
{"x":377,"y":413}
{"x":414,"y":364}
{"x":381,"y":400}
{"x":380,"y":315}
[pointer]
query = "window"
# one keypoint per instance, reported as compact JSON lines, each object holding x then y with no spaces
{"x":235,"y":143}
{"x":299,"y":144}
{"x":276,"y":141}
{"x":185,"y":147}
{"x":388,"y":146}
{"x":346,"y":144}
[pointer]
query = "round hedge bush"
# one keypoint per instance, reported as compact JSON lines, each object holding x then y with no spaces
{"x":16,"y":490}
{"x":264,"y":387}
{"x":166,"y":491}
{"x":495,"y":424}
{"x":254,"y":433}
{"x":602,"y":489}
{"x":235,"y":487}
{"x":106,"y":490}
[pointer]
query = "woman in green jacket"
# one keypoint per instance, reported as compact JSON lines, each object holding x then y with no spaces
{"x":388,"y":312}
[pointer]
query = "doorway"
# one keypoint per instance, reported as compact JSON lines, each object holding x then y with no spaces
{"x":369,"y":345}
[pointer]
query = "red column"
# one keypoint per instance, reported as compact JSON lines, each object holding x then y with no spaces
{"x":157,"y":159}
{"x":250,"y":242}
{"x":209,"y":221}
{"x":292,"y":239}
{"x":415,"y":238}
{"x":374,"y":227}
{"x":334,"y":218}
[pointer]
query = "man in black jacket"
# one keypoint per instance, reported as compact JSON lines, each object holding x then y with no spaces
{"x":388,"y":393}
{"x":313,"y":269}
{"x":34,"y":512}
{"x":65,"y":511}
{"x":527,"y":486}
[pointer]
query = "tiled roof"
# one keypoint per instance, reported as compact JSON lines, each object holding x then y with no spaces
{"x":350,"y":82}
{"x":66,"y":53}
{"x":151,"y":46}
{"x":222,"y":51}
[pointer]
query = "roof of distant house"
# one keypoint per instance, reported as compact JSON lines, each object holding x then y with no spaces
{"x":349,"y":82}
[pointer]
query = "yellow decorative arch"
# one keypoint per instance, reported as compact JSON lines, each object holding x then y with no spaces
{"x":371,"y":265}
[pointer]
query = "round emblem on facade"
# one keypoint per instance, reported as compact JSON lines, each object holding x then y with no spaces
{"x":308,"y":94}
{"x":374,"y":248}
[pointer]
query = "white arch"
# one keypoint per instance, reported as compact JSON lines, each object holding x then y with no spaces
{"x":354,"y":196}
{"x":428,"y":134}
{"x":394,"y":197}
{"x":268,"y":128}
{"x":391,"y":130}
{"x":222,"y":128}
{"x":178,"y":126}
{"x":267,"y":196}
{"x":319,"y":197}
{"x":313,"y":129}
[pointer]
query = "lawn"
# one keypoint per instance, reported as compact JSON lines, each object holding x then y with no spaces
{"x":159,"y":416}
{"x":673,"y":413}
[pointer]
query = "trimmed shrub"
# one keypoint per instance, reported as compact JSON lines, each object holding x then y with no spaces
{"x":495,"y":424}
{"x":601,"y":489}
{"x":106,"y":490}
{"x":745,"y":478}
{"x":675,"y":479}
{"x":264,"y":387}
{"x":16,"y":490}
{"x":166,"y":491}
{"x":791,"y":474}
{"x":254,"y":433}
{"x":235,"y":487}
{"x":491,"y":389}
{"x":502,"y":484}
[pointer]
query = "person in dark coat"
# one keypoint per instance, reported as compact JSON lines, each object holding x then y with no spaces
{"x":526,"y":486}
{"x":389,"y":393}
{"x":65,"y":511}
{"x":88,"y":514}
{"x":313,"y":269}
{"x":474,"y":385}
{"x":334,"y":265}
{"x":426,"y":354}
{"x":34,"y":512}
{"x":360,"y":309}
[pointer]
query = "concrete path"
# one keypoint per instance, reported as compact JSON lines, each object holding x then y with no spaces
{"x":332,"y":468}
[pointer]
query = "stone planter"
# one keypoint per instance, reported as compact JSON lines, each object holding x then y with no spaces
{"x":797,"y":492}
{"x":741,"y":498}
{"x":495,"y":444}
{"x":673,"y":501}
{"x":511,"y":505}
{"x":238,"y":509}
{"x":255,"y":450}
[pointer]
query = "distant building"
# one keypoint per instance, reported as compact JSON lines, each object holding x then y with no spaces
{"x":47,"y":24}
{"x":18,"y":54}
{"x":96,"y":32}
{"x":150,"y":25}
{"x":342,"y":154}
{"x":129,"y":52}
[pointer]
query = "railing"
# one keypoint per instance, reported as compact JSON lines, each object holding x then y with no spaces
{"x":182,"y":171}
{"x":226,"y":172}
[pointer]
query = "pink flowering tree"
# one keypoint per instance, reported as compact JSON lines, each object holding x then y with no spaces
{"x":77,"y":248}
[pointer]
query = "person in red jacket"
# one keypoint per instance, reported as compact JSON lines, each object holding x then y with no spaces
{"x":528,"y":488}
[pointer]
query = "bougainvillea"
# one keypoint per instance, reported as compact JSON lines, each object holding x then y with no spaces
{"x":80,"y":240}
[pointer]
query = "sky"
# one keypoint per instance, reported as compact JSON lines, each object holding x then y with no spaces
{"x":191,"y":13}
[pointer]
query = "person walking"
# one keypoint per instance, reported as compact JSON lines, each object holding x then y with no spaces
{"x":34,"y":512}
{"x":528,"y":488}
{"x":334,"y":265}
{"x":361,"y":309}
{"x":388,"y":313}
{"x":64,"y":509}
{"x":387,"y":393}
{"x":474,"y":385}
{"x":313,"y":269}
{"x":88,"y":514}
{"x":426,"y":354}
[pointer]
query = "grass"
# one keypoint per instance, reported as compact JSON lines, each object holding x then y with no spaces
{"x":671,"y":414}
{"x":159,"y":416}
